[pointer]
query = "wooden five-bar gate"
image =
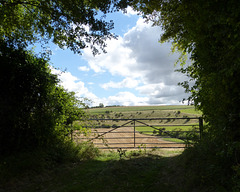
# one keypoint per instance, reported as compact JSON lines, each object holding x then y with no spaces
{"x":147,"y":133}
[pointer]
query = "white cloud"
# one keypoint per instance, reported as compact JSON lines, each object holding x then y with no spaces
{"x":125,"y":83}
{"x":72,"y":83}
{"x":129,"y":12}
{"x":126,"y":99}
{"x":117,"y":61}
{"x":160,"y":90}
{"x":83,"y":68}
{"x":140,"y":59}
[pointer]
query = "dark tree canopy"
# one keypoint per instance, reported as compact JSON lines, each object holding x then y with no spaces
{"x":34,"y":109}
{"x":210,"y":32}
{"x":74,"y":24}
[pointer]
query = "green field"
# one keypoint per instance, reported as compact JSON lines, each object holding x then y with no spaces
{"x":147,"y":112}
{"x":170,"y":128}
{"x":131,"y":109}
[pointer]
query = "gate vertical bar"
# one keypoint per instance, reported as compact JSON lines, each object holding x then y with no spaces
{"x":201,"y":127}
{"x":134,"y":133}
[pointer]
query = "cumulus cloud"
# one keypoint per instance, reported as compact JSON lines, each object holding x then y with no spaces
{"x":154,"y":60}
{"x":117,"y":60}
{"x":129,"y":12}
{"x":161,"y":91}
{"x":72,"y":83}
{"x":126,"y":99}
{"x":144,"y":64}
{"x":126,"y":83}
{"x":83,"y":68}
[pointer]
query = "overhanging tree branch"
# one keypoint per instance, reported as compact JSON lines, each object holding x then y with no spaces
{"x":18,"y":2}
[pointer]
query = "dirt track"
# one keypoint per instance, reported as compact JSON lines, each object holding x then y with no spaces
{"x":124,"y":138}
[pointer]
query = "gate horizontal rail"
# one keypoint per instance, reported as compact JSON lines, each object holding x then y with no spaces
{"x":160,"y":118}
{"x":159,"y":132}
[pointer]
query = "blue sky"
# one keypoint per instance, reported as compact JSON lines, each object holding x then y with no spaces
{"x":136,"y":70}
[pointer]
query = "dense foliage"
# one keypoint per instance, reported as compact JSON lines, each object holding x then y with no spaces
{"x":209,"y":32}
{"x":33,"y":107}
{"x":74,"y":24}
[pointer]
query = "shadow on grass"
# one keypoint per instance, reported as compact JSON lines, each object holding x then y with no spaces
{"x":108,"y":173}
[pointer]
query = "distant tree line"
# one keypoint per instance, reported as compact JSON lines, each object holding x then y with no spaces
{"x":101,"y":105}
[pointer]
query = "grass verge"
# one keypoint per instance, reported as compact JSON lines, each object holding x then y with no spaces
{"x":134,"y":171}
{"x":140,"y":171}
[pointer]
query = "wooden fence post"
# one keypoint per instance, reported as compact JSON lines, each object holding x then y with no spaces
{"x":134,"y":133}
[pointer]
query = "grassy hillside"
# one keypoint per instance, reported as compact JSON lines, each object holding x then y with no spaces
{"x":138,"y":112}
{"x":144,"y":109}
{"x":146,"y":112}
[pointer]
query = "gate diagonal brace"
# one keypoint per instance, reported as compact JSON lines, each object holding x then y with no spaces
{"x":159,"y":130}
{"x":110,"y":130}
